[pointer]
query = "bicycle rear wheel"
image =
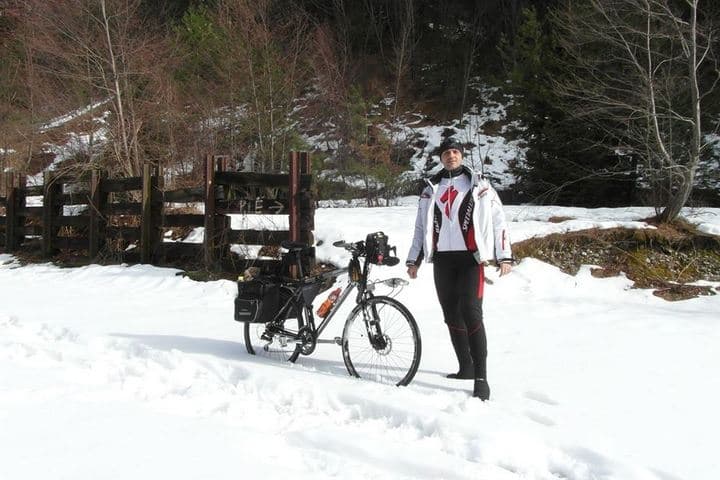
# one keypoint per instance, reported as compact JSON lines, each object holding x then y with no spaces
{"x":381,"y":342}
{"x":268,"y":340}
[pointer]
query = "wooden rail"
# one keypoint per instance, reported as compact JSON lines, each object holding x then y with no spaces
{"x":97,"y":219}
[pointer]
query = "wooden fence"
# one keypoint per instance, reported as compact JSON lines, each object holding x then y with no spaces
{"x":125,"y":219}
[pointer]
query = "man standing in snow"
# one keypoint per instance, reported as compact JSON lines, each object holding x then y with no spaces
{"x":460,"y":227}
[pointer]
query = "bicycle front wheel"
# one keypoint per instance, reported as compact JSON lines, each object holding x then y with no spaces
{"x":274,"y":340}
{"x":381,"y":342}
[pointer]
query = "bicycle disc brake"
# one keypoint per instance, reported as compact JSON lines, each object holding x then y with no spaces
{"x":308,"y":339}
{"x":380,"y":342}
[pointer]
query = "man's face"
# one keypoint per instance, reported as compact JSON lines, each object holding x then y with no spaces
{"x":451,"y":159}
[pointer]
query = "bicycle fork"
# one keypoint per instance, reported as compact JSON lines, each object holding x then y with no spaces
{"x":377,"y":339}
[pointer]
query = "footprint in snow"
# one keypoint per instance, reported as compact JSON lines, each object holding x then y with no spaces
{"x":541,"y":419}
{"x":540,"y":397}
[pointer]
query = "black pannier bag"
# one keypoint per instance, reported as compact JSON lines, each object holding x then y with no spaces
{"x":377,"y":248}
{"x":258,"y":301}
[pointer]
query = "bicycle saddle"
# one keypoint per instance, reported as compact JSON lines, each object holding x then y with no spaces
{"x":293,"y":246}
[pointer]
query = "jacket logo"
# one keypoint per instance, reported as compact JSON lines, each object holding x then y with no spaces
{"x":467,"y":218}
{"x":448,"y":198}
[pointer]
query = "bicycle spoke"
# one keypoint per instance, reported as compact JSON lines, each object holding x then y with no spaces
{"x":395,"y":356}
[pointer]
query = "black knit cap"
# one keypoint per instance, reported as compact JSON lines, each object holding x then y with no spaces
{"x":450,"y":143}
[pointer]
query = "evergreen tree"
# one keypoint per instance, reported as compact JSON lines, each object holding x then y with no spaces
{"x":565,"y":161}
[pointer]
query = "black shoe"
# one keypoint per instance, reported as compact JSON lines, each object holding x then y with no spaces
{"x":481,"y":389}
{"x":469,"y":375}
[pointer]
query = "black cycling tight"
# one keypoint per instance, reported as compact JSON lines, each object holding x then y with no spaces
{"x":459,"y":282}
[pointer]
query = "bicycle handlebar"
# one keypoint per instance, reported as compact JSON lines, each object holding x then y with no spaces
{"x":350,"y":246}
{"x":359,"y":249}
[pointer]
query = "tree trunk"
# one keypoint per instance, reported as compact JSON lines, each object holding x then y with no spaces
{"x":116,"y":84}
{"x":677,"y":201}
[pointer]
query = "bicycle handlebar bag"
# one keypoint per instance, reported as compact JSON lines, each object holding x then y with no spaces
{"x":377,"y":248}
{"x":257,"y":301}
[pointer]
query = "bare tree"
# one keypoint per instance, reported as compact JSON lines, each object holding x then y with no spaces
{"x":99,"y":51}
{"x":262,"y":74}
{"x":403,"y":41}
{"x":473,"y":47}
{"x":634,"y":69}
{"x":18,"y":112}
{"x":376,"y":20}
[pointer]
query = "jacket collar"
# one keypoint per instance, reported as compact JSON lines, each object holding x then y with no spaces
{"x":435,"y":179}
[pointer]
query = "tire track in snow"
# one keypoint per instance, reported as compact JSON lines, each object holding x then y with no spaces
{"x":416,"y":432}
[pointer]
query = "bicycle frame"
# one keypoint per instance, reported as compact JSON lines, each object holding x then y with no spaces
{"x":297,"y":299}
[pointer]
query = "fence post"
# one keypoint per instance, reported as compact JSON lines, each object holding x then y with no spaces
{"x":306,"y":206}
{"x":293,"y":196}
{"x":97,"y":220}
{"x":9,"y":213}
{"x":50,"y":192}
{"x":147,"y":243}
{"x":306,"y":215}
{"x":221,"y":224}
{"x":11,"y":223}
{"x":209,"y":238}
{"x":3,"y":194}
{"x":156,"y":209}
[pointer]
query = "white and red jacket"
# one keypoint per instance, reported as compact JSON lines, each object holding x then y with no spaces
{"x":460,"y":214}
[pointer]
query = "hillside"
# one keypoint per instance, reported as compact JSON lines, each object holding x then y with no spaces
{"x":370,"y":87}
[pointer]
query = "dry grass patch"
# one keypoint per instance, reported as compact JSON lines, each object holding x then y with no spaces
{"x":665,"y":259}
{"x":559,"y":219}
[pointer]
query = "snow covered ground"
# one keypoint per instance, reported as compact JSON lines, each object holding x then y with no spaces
{"x":124,"y":372}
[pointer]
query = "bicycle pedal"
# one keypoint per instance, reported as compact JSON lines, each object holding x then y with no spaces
{"x":338,"y":340}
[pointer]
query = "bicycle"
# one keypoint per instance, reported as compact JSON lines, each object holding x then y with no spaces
{"x":380,"y":339}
